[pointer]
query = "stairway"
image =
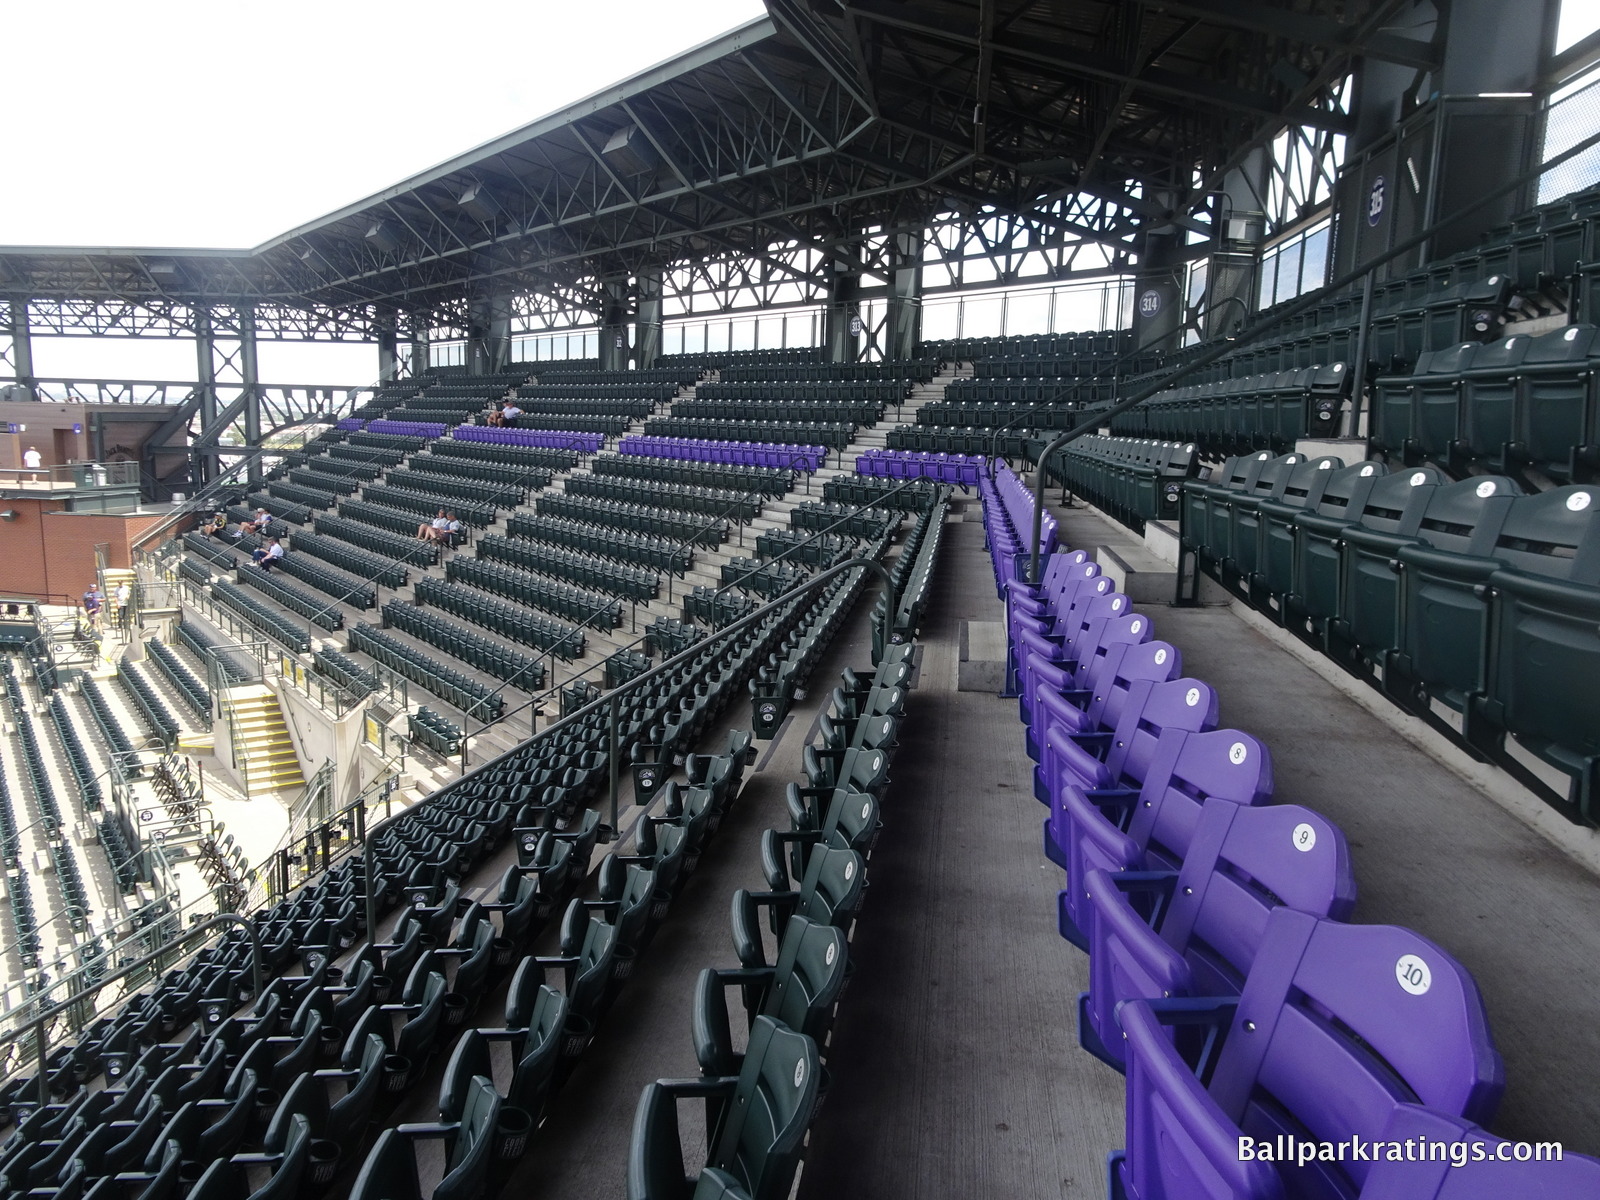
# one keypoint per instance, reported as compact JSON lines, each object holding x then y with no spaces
{"x":267,"y":756}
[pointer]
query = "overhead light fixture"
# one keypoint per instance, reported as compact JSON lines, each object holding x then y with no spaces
{"x":9,"y":514}
{"x":162,"y":267}
{"x":629,"y":149}
{"x":479,"y":203}
{"x":380,"y":239}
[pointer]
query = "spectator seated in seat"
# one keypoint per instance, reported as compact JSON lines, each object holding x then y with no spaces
{"x":267,"y":556}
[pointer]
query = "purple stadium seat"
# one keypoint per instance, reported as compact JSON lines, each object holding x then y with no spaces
{"x":1119,"y":829}
{"x":1097,"y":703}
{"x":1336,"y":1028}
{"x":1069,"y":764}
{"x":1196,"y":933}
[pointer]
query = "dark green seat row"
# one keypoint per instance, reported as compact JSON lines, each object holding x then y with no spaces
{"x":327,"y":464}
{"x":507,"y":620}
{"x":373,"y":528}
{"x":1132,"y":479}
{"x":634,"y":408}
{"x":998,"y":384}
{"x":450,"y":685}
{"x":345,"y":672}
{"x":377,"y":456}
{"x":537,"y":591}
{"x":381,"y":569}
{"x":631,"y":583}
{"x":714,"y":607}
{"x":1515,"y":403}
{"x":634,"y":518}
{"x":1469,"y":594}
{"x":678,"y":497}
{"x":83,"y":772}
{"x":338,"y":485}
{"x":234,"y":665}
{"x":939,"y":440}
{"x":977,"y":414}
{"x":145,"y":698}
{"x":853,"y":414}
{"x":239,"y":513}
{"x":342,"y":586}
{"x":868,"y":391}
{"x":213,"y":551}
{"x":625,"y":665}
{"x":274,"y":624}
{"x":677,"y":376}
{"x":609,"y":426}
{"x":904,"y":371}
{"x":1236,"y":416}
{"x":652,"y":391}
{"x":514,"y":456}
{"x":105,"y":719}
{"x":788,"y":433}
{"x":504,"y":473}
{"x":299,"y":494}
{"x":765,"y":481}
{"x":425,"y":504}
{"x":477,"y":651}
{"x":846,"y":519}
{"x":287,"y":510}
{"x":912,"y":574}
{"x":807,"y":549}
{"x":668,"y":636}
{"x":453,"y":490}
{"x":644,"y":550}
{"x":767,"y":579}
{"x":323,"y":613}
{"x":194,"y":693}
{"x":195,"y":570}
{"x":920,"y":496}
{"x":1030,"y":346}
{"x":435,"y":732}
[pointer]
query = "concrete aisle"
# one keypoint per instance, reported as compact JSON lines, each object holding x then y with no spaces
{"x":956,"y":1070}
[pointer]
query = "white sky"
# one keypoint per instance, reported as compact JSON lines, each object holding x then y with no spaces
{"x":188,"y":123}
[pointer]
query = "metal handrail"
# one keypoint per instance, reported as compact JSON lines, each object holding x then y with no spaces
{"x":38,"y":1023}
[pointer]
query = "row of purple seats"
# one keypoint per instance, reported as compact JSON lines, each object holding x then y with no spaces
{"x":1008,"y":522}
{"x":550,"y":439}
{"x":745,"y":454}
{"x":962,"y":470}
{"x":351,"y":423}
{"x":1223,"y":978}
{"x":428,"y":429}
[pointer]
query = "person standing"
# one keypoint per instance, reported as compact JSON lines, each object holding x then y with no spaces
{"x":122,"y":599}
{"x":32,"y":460}
{"x":93,"y":601}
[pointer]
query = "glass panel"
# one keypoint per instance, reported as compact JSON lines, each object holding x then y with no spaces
{"x":1028,"y":312}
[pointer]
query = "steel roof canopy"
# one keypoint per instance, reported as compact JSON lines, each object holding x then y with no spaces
{"x":824,"y":118}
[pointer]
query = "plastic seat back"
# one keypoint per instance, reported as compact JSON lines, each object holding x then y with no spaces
{"x":1337,"y":1026}
{"x":759,"y":1143}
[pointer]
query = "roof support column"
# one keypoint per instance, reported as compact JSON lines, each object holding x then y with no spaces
{"x":1158,"y":291}
{"x":842,"y":338}
{"x":419,"y":346}
{"x":489,"y":344}
{"x":904,"y":329}
{"x":388,"y":348}
{"x":201,"y":466}
{"x":614,"y":325}
{"x":647,"y":325}
{"x":250,"y":381}
{"x":21,"y":355}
